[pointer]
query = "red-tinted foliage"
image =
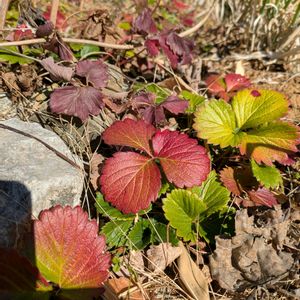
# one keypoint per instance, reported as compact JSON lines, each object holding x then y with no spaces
{"x":184,"y":162}
{"x":152,"y":112}
{"x":136,"y":134}
{"x":131,"y":181}
{"x":76,"y":101}
{"x":262,"y":196}
{"x":224,"y":87}
{"x":95,"y":72}
{"x":57,"y":71}
{"x":69,"y":251}
{"x":144,"y":23}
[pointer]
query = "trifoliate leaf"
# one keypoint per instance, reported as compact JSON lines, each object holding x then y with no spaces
{"x":182,"y":209}
{"x":253,"y":109}
{"x":215,"y":121}
{"x":213,"y":194}
{"x":116,"y":232}
{"x":269,"y":176}
{"x":250,"y":124}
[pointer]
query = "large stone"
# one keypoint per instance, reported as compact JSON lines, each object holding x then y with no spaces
{"x":32,"y":177}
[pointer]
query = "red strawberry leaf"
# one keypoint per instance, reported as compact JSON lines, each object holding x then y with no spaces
{"x":136,"y":134}
{"x":235,"y":82}
{"x":69,"y":251}
{"x":184,"y":162}
{"x":238,"y":180}
{"x":95,"y":72}
{"x":144,"y":22}
{"x":59,"y":47}
{"x":263,"y":196}
{"x":230,"y":182}
{"x":23,"y":32}
{"x":177,"y":49}
{"x":175,"y":105}
{"x":216,"y":86}
{"x":76,"y":101}
{"x":181,"y":47}
{"x":152,"y":112}
{"x":223,"y":87}
{"x":152,"y":46}
{"x":130,"y":181}
{"x":18,"y":275}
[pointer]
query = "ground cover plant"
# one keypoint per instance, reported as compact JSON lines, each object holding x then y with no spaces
{"x":190,"y":150}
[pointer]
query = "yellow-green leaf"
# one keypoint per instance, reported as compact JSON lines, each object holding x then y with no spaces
{"x":256,"y":107}
{"x":215,"y":121}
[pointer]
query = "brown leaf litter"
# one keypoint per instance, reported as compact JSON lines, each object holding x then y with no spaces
{"x":262,"y":252}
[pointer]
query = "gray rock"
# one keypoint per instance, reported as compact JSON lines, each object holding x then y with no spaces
{"x":32,"y":177}
{"x":7,"y":108}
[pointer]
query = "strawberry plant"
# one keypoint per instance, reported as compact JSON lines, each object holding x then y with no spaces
{"x":251,"y":122}
{"x":131,"y":181}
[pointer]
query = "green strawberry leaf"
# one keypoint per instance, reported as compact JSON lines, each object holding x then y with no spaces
{"x":138,"y":238}
{"x":194,"y":100}
{"x":182,"y":209}
{"x":215,"y":121}
{"x":86,"y":49}
{"x":162,"y":233}
{"x":268,"y":176}
{"x":256,"y":107}
{"x":214,"y":195}
{"x":116,"y":232}
{"x":106,"y":210}
{"x":10,"y":57}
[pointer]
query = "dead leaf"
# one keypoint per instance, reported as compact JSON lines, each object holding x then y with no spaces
{"x":121,"y":288}
{"x":96,"y":160}
{"x":162,"y":255}
{"x":134,"y":260}
{"x":57,"y":72}
{"x":191,"y":276}
{"x":253,"y":256}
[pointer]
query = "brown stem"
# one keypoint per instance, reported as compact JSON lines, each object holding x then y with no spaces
{"x":68,"y":40}
{"x":54,"y":10}
{"x":3,"y":10}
